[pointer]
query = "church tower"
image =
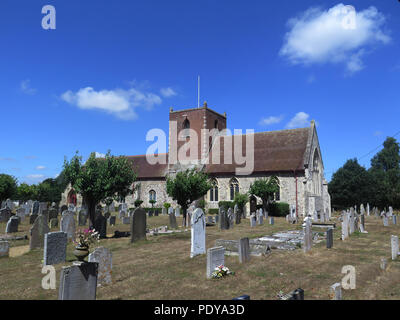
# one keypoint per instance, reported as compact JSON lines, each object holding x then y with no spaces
{"x":187,"y":137}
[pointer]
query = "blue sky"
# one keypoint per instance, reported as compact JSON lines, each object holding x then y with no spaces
{"x":111,"y":70}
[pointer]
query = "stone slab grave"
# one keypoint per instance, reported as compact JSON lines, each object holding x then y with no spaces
{"x":12,"y":225}
{"x":138,"y":225}
{"x":126,"y":220}
{"x":55,"y":247}
{"x":223,"y":219}
{"x":4,"y":249}
{"x":215,"y":258}
{"x":100,"y":225}
{"x":198,"y":233}
{"x":5,"y":214}
{"x":394,"y":241}
{"x":79,"y":281}
{"x":172,"y":220}
{"x":37,"y":232}
{"x":103,"y":257}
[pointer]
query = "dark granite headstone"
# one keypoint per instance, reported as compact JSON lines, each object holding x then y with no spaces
{"x":112,"y":220}
{"x":12,"y":225}
{"x":79,"y":281}
{"x":55,"y":247}
{"x":32,"y":218}
{"x":5,"y":214}
{"x":329,"y":238}
{"x":100,"y":225}
{"x":138,"y":225}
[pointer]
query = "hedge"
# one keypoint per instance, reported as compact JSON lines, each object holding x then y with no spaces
{"x":278,"y":209}
{"x":213,"y":211}
{"x":226,"y":204}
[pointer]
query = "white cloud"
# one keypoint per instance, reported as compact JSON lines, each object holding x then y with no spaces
{"x":40,"y":167}
{"x":100,"y":155}
{"x":378,"y":133}
{"x":317,"y":36}
{"x":168,"y":92}
{"x":300,"y":120}
{"x":26,"y":88}
{"x":271,"y":120}
{"x":119,"y":102}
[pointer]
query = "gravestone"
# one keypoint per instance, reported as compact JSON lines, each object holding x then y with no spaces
{"x":79,"y":281}
{"x":260,"y":218}
{"x":100,"y":225}
{"x":156,"y":213}
{"x":164,"y":211}
{"x":345,"y":226}
{"x":385,"y":221}
{"x":67,"y":224}
{"x":271,"y":220}
{"x":37,"y":232}
{"x":244,"y":250}
{"x":177,"y":212}
{"x":231,"y":219}
{"x":53,"y":214}
{"x":21,"y":213}
{"x":12,"y":225}
{"x":336,"y":291}
{"x":150,"y":213}
{"x":172,"y":220}
{"x":63,"y":208}
{"x":35,"y":207}
{"x":82,"y":218}
{"x":315,"y":217}
{"x":223,"y":219}
{"x":4,"y":249}
{"x":42,"y":207}
{"x":394,"y":219}
{"x":5,"y":214}
{"x":32,"y":218}
{"x":395,"y":247}
{"x":112,"y":220}
{"x":53,"y":223}
{"x":351,"y":222}
{"x":198,"y":232}
{"x":126,"y":220}
{"x":307,"y":234}
{"x":103,"y":257}
{"x":329,"y":238}
{"x":138,"y":225}
{"x":188,"y":219}
{"x":55,"y":247}
{"x":215,"y":258}
{"x":122,"y":214}
{"x":253,"y":220}
{"x":368,"y":213}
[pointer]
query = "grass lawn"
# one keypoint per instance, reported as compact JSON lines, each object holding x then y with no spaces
{"x":161,"y":267}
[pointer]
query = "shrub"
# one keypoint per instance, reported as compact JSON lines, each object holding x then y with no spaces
{"x":167,"y":205}
{"x":213,"y":211}
{"x":226,"y":204}
{"x":278,"y":209}
{"x":138,"y":203}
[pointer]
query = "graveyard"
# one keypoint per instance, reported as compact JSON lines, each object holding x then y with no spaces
{"x":160,"y":267}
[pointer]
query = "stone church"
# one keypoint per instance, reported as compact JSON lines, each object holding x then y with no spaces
{"x":293,"y":156}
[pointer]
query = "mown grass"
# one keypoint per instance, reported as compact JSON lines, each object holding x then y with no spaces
{"x":161,"y":268}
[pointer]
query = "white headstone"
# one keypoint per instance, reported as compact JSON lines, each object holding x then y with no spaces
{"x":198,"y":244}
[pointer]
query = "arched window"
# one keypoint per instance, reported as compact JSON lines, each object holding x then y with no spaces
{"x":152,"y":195}
{"x":213,"y":195}
{"x":186,"y":124}
{"x":316,"y":174}
{"x":234,"y":187}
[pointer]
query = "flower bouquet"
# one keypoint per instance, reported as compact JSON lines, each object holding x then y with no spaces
{"x":220,"y":272}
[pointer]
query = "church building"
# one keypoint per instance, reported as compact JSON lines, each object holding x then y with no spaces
{"x":293,"y":156}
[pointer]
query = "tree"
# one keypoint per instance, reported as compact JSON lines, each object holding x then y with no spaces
{"x":99,"y":179}
{"x":240,"y":200}
{"x":8,"y":187}
{"x":186,"y":187}
{"x":385,"y":172}
{"x":265,"y":189}
{"x":350,"y":185}
{"x":26,"y":192}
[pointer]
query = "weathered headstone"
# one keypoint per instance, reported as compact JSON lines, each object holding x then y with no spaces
{"x":383,"y":264}
{"x":138,"y":225}
{"x":329,"y":238}
{"x":271,"y":220}
{"x":4,"y":249}
{"x":177,"y":212}
{"x":385,"y":221}
{"x":394,"y":219}
{"x":223,"y":219}
{"x":126,"y":220}
{"x":231,"y":219}
{"x":253,"y":220}
{"x":198,"y":232}
{"x":345,"y":226}
{"x":32,"y":218}
{"x":79,"y":281}
{"x":307,"y":235}
{"x":244,"y":250}
{"x":172,"y":220}
{"x":103,"y":257}
{"x":54,"y":223}
{"x":215,"y":258}
{"x":336,"y":291}
{"x":112,"y":220}
{"x":260,"y":218}
{"x":395,"y":247}
{"x":5,"y":214}
{"x":164,"y":211}
{"x":67,"y":224}
{"x":55,"y":247}
{"x":53,"y":214}
{"x":12,"y":225}
{"x":37,"y":232}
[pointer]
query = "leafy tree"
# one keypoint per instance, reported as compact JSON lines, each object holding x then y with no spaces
{"x":99,"y":179}
{"x":26,"y":192}
{"x":350,"y":185}
{"x":265,"y":189}
{"x":167,"y":205}
{"x":8,"y":187}
{"x":240,"y":200}
{"x":138,"y":203}
{"x":187,"y":187}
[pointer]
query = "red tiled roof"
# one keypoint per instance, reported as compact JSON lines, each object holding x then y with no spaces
{"x":282,"y":150}
{"x":145,"y":170}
